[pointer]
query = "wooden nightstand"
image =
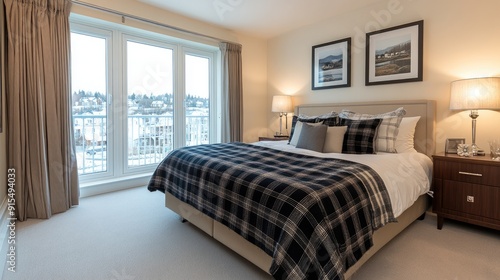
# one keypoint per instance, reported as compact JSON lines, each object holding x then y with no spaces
{"x":467,"y":189}
{"x":274,"y":138}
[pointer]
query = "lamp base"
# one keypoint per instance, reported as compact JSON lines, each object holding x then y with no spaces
{"x":474,"y":149}
{"x":481,"y":153}
{"x":473,"y":115}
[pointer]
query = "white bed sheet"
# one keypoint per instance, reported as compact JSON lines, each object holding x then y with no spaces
{"x":406,"y":175}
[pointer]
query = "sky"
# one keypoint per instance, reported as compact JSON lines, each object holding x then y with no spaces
{"x":393,"y":41}
{"x":149,"y":68}
{"x":88,"y":68}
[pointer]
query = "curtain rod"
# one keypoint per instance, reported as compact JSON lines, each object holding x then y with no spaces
{"x":124,"y":15}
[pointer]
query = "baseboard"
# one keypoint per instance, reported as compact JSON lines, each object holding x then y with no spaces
{"x":4,"y":221}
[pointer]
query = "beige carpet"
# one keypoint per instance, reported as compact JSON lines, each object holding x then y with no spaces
{"x":130,"y":235}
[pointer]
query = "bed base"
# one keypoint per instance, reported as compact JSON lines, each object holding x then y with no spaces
{"x":258,"y":257}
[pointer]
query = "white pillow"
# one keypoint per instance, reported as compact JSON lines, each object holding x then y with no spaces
{"x":334,"y":139}
{"x":298,"y":130}
{"x":405,"y":139}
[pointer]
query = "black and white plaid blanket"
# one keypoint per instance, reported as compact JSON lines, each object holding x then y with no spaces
{"x":314,"y":216}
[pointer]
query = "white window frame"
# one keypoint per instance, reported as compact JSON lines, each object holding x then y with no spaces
{"x":214,"y":120}
{"x":124,"y":149}
{"x":106,"y":34}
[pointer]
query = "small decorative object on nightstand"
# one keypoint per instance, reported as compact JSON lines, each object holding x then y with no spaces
{"x":467,"y":189}
{"x":451,"y":145}
{"x":495,"y":150}
{"x":464,"y":150}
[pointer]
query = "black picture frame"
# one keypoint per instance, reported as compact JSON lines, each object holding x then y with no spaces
{"x":395,"y":55}
{"x":331,"y":64}
{"x":451,"y":145}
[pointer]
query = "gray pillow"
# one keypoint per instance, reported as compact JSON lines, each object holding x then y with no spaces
{"x":312,"y":137}
{"x":298,"y":129}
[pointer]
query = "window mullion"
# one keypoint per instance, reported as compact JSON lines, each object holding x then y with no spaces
{"x":118,"y":129}
{"x":179,"y":99}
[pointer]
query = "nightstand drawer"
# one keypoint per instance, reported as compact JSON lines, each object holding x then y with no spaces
{"x":472,"y":199}
{"x":467,"y":172}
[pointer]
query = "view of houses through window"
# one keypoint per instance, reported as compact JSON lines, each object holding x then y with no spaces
{"x":136,"y":101}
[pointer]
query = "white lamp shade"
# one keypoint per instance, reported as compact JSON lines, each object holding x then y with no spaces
{"x":282,"y":104}
{"x":475,"y":94}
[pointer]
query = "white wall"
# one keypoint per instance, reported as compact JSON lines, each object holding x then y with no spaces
{"x":255,"y":111}
{"x":461,"y":40}
{"x":254,"y":53}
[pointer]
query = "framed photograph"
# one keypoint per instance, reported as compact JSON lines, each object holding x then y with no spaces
{"x":394,"y":55}
{"x":331,"y":64}
{"x":451,"y":145}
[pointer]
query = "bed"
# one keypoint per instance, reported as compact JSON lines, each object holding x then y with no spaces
{"x":259,"y":241}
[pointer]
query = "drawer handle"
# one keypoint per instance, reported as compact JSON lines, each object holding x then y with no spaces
{"x":470,"y":174}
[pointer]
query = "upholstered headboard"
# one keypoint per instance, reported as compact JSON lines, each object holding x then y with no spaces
{"x":424,"y":132}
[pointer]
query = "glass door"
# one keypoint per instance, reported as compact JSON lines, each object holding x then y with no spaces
{"x":150,"y":102}
{"x":197,"y":87}
{"x":89,"y":87}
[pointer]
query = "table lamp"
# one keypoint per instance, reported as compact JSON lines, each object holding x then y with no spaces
{"x":282,"y":104}
{"x":475,"y":94}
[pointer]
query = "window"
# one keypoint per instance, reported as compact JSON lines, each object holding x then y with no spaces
{"x":197,"y":83}
{"x":89,"y":97}
{"x":150,"y":134}
{"x":138,"y":95}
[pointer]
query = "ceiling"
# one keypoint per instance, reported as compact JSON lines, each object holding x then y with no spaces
{"x":261,"y":18}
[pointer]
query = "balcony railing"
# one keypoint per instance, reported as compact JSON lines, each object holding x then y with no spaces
{"x":149,"y":139}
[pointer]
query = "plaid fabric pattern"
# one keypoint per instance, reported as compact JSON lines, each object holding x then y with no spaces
{"x":387,"y":130}
{"x":314,"y":216}
{"x":360,"y":136}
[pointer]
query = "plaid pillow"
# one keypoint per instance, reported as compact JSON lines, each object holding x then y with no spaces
{"x":331,"y":119}
{"x":388,"y":130}
{"x":360,"y":136}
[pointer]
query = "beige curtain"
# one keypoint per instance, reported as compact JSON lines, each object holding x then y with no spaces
{"x":40,"y":133}
{"x":232,"y":93}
